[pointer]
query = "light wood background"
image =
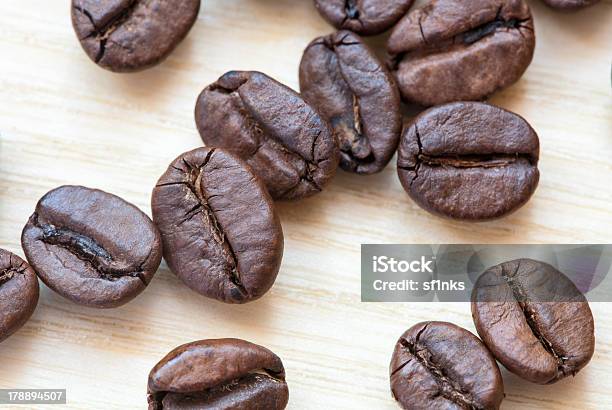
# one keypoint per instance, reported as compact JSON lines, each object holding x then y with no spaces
{"x":65,"y":121}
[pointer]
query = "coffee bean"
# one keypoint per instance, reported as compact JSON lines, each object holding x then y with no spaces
{"x":437,"y":365}
{"x":469,"y":161}
{"x":91,"y":247}
{"x":365,"y":17}
{"x":453,"y":50}
{"x":218,"y":374}
{"x":18,"y":293}
{"x":220,"y":231}
{"x":569,"y":4}
{"x":534,"y":320}
{"x":354,"y":92}
{"x":132,"y":35}
{"x":273,"y":129}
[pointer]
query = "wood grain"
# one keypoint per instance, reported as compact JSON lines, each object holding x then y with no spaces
{"x":65,"y":121}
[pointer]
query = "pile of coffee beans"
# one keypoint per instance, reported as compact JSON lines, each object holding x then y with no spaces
{"x":531,"y":318}
{"x":214,"y":219}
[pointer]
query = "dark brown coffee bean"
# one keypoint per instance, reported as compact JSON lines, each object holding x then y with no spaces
{"x":131,"y":35}
{"x":91,"y":247}
{"x":273,"y":129}
{"x":220,"y":232}
{"x":365,"y":17}
{"x":469,"y":161}
{"x":220,"y":374}
{"x":355,"y":93}
{"x":453,"y":50}
{"x":534,"y":320}
{"x":18,"y":293}
{"x":437,"y":365}
{"x":570,"y":5}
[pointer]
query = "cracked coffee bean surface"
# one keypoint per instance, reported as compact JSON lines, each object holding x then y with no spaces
{"x":534,"y":320}
{"x":219,"y":374}
{"x":18,"y":293}
{"x":437,"y":365}
{"x":343,"y":79}
{"x":220,"y":231}
{"x":365,"y":17}
{"x":92,"y":247}
{"x":455,"y":50}
{"x":570,"y":5}
{"x":469,"y":161}
{"x":273,"y":129}
{"x":132,"y":35}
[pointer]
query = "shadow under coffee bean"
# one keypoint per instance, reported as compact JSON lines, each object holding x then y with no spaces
{"x":288,"y":145}
{"x":469,"y":161}
{"x":18,"y":293}
{"x":221,"y":234}
{"x":365,"y":17}
{"x":355,"y":93}
{"x":91,"y":247}
{"x":440,"y":365}
{"x":457,"y":50}
{"x":218,"y":374}
{"x":534,"y":320}
{"x":132,"y":35}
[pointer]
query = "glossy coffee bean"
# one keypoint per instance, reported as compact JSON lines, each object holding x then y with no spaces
{"x":453,"y":50}
{"x":221,"y":234}
{"x":18,"y":293}
{"x":220,"y":374}
{"x":534,"y":320}
{"x":91,"y":247}
{"x":365,"y":17}
{"x":437,"y":365}
{"x":343,"y":79}
{"x":469,"y":161}
{"x":288,"y":145}
{"x":131,"y":35}
{"x":570,"y":5}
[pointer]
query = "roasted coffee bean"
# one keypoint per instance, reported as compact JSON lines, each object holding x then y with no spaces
{"x":132,"y":35}
{"x":365,"y":17}
{"x":570,"y":4}
{"x":355,"y":93}
{"x":453,"y":50}
{"x":273,"y":129}
{"x":18,"y":293}
{"x":437,"y":365}
{"x":534,"y":320}
{"x":220,"y":374}
{"x":220,"y":232}
{"x":469,"y":161}
{"x":91,"y":247}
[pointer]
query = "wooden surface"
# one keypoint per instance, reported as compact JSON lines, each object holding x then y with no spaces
{"x":65,"y":121}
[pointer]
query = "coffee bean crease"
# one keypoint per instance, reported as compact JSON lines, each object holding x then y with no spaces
{"x":251,"y":378}
{"x":103,"y":33}
{"x":87,"y":250}
{"x":194,"y":175}
{"x":531,"y":315}
{"x":448,"y":388}
{"x":464,"y":39}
